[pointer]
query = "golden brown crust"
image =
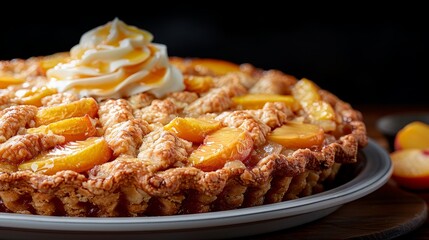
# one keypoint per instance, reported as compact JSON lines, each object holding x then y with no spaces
{"x":246,"y":121}
{"x":25,"y":147}
{"x":163,"y":150}
{"x":125,"y":138}
{"x":159,"y":111}
{"x":246,"y":80}
{"x":274,"y":82}
{"x":182,"y":99}
{"x":273,"y":114}
{"x":14,"y":118}
{"x":59,"y":98}
{"x":252,"y":71}
{"x":140,"y":100}
{"x":235,"y":84}
{"x":5,"y":98}
{"x":215,"y":101}
{"x":116,"y":111}
{"x":20,"y":68}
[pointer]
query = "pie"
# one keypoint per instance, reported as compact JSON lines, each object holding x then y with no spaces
{"x":115,"y":127}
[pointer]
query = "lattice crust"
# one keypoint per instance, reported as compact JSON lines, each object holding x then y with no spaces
{"x":149,"y":173}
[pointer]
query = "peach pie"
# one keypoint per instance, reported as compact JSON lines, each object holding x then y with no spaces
{"x":115,"y":127}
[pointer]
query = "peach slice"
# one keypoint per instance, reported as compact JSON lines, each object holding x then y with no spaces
{"x":218,"y":67}
{"x":411,"y":168}
{"x":192,"y":129}
{"x":77,"y":156}
{"x":298,"y":135}
{"x":51,"y":61}
{"x":73,"y":129}
{"x":224,"y":145}
{"x":198,"y":84}
{"x":306,"y":91}
{"x":413,"y":135}
{"x":8,"y":80}
{"x":320,"y":112}
{"x":34,"y":96}
{"x":257,"y":101}
{"x":56,"y":113}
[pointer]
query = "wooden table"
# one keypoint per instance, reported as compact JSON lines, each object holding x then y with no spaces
{"x":371,"y":115}
{"x":388,"y":212}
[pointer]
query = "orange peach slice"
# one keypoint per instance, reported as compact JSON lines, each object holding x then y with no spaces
{"x":306,"y":91}
{"x":8,"y":80}
{"x":320,"y":112}
{"x":218,"y":67}
{"x":198,"y":84}
{"x":413,"y":135}
{"x":73,"y":129}
{"x":74,"y":109}
{"x":78,"y":156}
{"x":192,"y":129}
{"x":51,"y":61}
{"x":411,"y":168}
{"x":226,"y":144}
{"x":34,"y":96}
{"x":298,"y":135}
{"x":257,"y":101}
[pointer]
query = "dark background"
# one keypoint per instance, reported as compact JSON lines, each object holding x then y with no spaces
{"x":368,"y":60}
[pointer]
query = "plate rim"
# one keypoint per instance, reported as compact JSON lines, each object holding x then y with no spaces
{"x":375,"y":172}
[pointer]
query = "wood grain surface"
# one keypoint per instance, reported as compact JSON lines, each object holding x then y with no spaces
{"x":386,"y":213}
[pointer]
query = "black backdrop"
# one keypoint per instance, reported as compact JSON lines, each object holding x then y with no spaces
{"x":363,"y":61}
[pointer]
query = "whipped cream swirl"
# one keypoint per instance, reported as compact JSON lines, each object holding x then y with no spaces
{"x":116,"y":60}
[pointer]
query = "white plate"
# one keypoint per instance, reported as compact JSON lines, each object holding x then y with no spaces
{"x":373,"y":173}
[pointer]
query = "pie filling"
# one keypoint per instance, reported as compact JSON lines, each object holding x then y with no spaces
{"x":115,"y":127}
